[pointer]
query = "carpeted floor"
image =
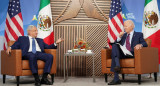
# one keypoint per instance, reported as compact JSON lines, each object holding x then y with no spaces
{"x":84,"y":81}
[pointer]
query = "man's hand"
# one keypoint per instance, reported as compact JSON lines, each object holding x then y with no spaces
{"x":59,"y":40}
{"x":121,"y":34}
{"x":8,"y":50}
{"x":138,"y":46}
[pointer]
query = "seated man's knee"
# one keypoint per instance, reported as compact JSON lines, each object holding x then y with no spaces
{"x":114,"y":46}
{"x":32,"y":57}
{"x":50,"y":57}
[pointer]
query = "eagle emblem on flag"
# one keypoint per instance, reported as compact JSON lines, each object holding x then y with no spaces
{"x":44,"y":22}
{"x":150,"y":19}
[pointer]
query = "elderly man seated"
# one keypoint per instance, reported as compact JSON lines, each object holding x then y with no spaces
{"x":129,"y":39}
{"x":33,"y":50}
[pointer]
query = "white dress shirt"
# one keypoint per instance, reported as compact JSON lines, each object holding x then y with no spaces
{"x":130,"y":39}
{"x":30,"y":47}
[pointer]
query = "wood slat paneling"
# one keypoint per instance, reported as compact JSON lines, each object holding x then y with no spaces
{"x":97,"y":39}
{"x":90,"y":29}
{"x":77,"y":65}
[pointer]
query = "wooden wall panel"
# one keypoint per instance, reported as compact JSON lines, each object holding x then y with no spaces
{"x":97,"y":39}
{"x":59,"y":9}
{"x":77,"y":65}
{"x":80,"y":24}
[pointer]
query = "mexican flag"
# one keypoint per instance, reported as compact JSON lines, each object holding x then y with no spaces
{"x":45,"y":25}
{"x":151,"y":23}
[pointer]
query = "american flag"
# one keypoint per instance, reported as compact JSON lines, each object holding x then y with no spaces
{"x":14,"y":23}
{"x":115,"y":24}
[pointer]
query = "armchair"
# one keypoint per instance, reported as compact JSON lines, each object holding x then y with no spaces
{"x":13,"y":64}
{"x":145,"y":62}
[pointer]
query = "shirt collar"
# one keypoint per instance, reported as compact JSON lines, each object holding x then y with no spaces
{"x":131,"y":33}
{"x":30,"y":37}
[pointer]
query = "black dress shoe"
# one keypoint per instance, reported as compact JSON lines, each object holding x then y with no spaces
{"x":114,"y":82}
{"x":45,"y":81}
{"x":117,"y":69}
{"x":37,"y":80}
{"x":37,"y":83}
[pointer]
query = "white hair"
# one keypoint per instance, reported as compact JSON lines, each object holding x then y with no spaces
{"x":30,"y":27}
{"x":132,"y":23}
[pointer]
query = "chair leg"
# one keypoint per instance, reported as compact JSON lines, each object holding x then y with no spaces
{"x":139,"y":78}
{"x":106,"y":78}
{"x":52,"y":77}
{"x":123,"y":77}
{"x":155,"y":77}
{"x":4,"y":79}
{"x":17,"y":78}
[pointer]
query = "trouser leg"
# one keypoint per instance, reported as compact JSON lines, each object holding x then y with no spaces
{"x":116,"y":54}
{"x":32,"y":62}
{"x":48,"y":59}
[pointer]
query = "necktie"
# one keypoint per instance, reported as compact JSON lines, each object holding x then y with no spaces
{"x":33,"y":46}
{"x":128,"y":46}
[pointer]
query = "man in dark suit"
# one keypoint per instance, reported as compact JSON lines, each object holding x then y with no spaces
{"x":129,"y":39}
{"x":33,"y":50}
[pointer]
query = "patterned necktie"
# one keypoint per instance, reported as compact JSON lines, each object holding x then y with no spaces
{"x":128,"y":46}
{"x":33,"y":46}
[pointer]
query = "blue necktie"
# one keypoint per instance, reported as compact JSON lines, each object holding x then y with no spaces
{"x":33,"y":46}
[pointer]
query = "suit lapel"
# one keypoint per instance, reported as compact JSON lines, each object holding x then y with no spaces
{"x":28,"y":42}
{"x":38,"y":43}
{"x":134,"y":35}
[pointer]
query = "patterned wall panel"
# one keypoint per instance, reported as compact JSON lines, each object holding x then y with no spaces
{"x":80,"y":66}
{"x":80,"y":12}
{"x":77,"y":65}
{"x":98,"y":40}
{"x":86,"y":19}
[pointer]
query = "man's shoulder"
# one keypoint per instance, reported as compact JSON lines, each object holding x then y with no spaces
{"x":23,"y":37}
{"x":39,"y":39}
{"x":138,"y":33}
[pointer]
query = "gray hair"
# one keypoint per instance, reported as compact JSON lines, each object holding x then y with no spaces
{"x":29,"y":28}
{"x":132,"y":23}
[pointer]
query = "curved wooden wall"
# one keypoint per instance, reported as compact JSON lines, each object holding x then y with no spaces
{"x":86,"y":19}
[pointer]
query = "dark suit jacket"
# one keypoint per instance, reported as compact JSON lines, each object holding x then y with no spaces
{"x":23,"y":44}
{"x":136,"y":39}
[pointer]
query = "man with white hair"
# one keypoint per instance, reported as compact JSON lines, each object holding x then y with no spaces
{"x":129,"y":39}
{"x":33,"y":50}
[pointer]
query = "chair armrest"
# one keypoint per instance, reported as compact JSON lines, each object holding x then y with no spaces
{"x":11,"y":64}
{"x":54,"y":65}
{"x":105,"y":54}
{"x":146,"y":60}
